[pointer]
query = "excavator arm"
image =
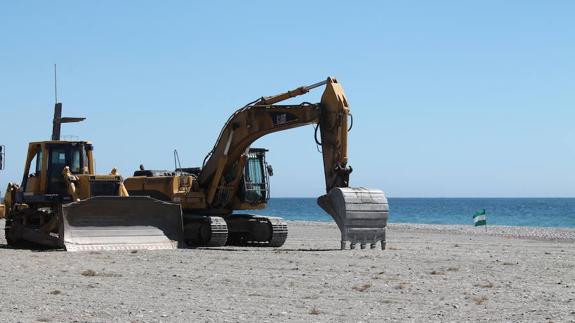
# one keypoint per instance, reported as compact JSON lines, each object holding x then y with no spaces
{"x":241,"y":130}
{"x":361,"y":214}
{"x":263,"y":117}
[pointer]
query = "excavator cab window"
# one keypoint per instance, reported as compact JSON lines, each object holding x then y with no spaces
{"x":256,"y":188}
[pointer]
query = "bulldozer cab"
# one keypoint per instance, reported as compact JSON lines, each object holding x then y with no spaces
{"x":46,"y":161}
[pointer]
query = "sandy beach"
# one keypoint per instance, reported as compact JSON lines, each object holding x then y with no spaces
{"x":428,"y":273}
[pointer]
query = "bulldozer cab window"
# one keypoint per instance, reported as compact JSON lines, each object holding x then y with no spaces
{"x":32,"y":181}
{"x":60,"y":157}
{"x":76,"y":166}
{"x":56,"y":184}
{"x":39,"y":157}
{"x":85,"y":160}
{"x":36,"y":163}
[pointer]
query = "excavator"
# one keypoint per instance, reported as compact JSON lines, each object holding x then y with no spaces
{"x":235,"y":177}
{"x":61,"y":203}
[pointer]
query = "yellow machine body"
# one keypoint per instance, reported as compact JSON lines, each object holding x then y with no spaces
{"x":62,"y":203}
{"x":234,"y":176}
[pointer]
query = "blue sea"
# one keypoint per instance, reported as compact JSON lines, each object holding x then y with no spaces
{"x":539,"y":212}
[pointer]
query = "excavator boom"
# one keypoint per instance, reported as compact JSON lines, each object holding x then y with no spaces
{"x":263,"y":117}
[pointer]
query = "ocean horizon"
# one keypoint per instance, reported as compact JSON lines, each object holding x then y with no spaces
{"x":522,"y":211}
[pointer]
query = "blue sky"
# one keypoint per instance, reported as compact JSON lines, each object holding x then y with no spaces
{"x":450,"y":98}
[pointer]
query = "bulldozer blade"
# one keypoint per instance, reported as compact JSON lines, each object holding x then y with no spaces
{"x":360,"y":213}
{"x":121,"y":223}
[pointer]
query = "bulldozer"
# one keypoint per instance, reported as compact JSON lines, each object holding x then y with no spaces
{"x":235,"y":177}
{"x":61,"y":203}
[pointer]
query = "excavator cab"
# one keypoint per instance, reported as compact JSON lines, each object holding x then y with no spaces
{"x":256,"y":188}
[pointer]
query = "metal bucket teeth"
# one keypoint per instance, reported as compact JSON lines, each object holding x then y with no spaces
{"x":360,"y":213}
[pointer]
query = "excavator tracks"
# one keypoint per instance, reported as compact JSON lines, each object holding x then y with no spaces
{"x":248,"y":230}
{"x":219,"y":230}
{"x":205,"y":231}
{"x":279,"y":231}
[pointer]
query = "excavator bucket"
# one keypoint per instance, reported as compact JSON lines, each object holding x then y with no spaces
{"x":121,"y":223}
{"x":360,"y":213}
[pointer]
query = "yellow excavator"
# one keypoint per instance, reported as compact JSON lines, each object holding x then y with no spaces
{"x":234,"y":177}
{"x":61,"y":203}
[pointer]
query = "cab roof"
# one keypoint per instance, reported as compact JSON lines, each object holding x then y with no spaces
{"x":60,"y":142}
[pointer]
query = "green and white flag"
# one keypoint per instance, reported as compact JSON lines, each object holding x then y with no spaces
{"x":480,"y":218}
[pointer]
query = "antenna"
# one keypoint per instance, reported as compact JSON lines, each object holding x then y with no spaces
{"x":58,"y":119}
{"x":55,"y":84}
{"x":177,"y":164}
{"x":2,"y":150}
